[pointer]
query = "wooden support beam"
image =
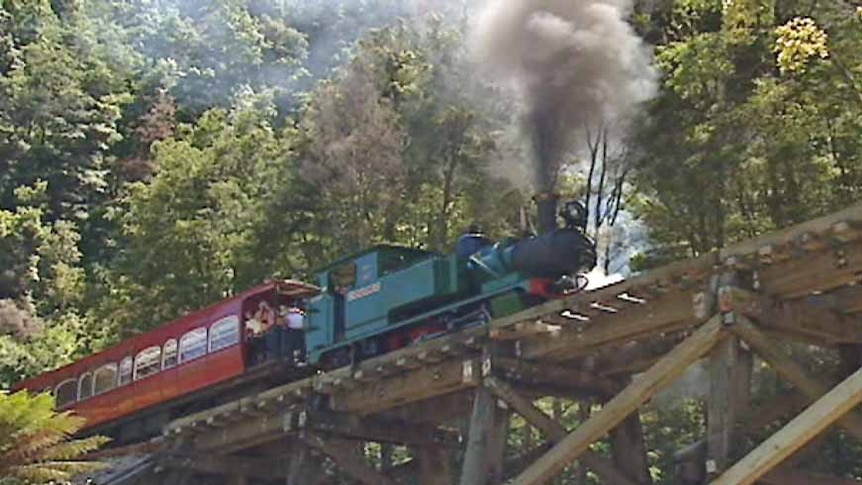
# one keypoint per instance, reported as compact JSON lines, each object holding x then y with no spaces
{"x":802,"y":477}
{"x":297,"y":465}
{"x":730,"y":368}
{"x":552,"y":375}
{"x":347,"y":460}
{"x":252,"y":431}
{"x":474,"y":470}
{"x":555,"y":432}
{"x":820,"y":272}
{"x":225,"y":465}
{"x":812,"y":387}
{"x":629,"y":449}
{"x":495,"y":451}
{"x":441,"y":409}
{"x":807,"y":319}
{"x":435,"y":466}
{"x":617,"y":409}
{"x":795,"y":434}
{"x":671,"y":312}
{"x":372,"y":428}
{"x":410,"y":386}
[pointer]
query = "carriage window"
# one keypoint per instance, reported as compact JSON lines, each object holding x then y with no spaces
{"x":85,"y":386}
{"x":104,"y":379}
{"x":147,"y":362}
{"x":193,"y":344}
{"x":125,"y":371}
{"x":224,"y":333}
{"x":169,"y":354}
{"x":66,"y":392}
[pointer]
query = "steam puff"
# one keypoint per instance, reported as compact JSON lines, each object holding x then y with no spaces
{"x":577,"y":64}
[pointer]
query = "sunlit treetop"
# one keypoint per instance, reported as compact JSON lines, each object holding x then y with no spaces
{"x":798,"y":41}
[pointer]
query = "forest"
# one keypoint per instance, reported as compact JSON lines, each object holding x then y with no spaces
{"x":159,"y":155}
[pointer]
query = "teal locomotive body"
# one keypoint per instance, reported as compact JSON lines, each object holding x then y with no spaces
{"x":386,"y":297}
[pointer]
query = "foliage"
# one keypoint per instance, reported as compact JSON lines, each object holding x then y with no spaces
{"x":34,"y":441}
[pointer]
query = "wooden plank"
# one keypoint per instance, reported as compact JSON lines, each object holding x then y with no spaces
{"x":617,"y":409}
{"x":730,"y":369}
{"x":435,"y":466}
{"x":672,"y":312}
{"x":495,"y":451}
{"x":690,"y":269}
{"x":805,"y":318}
{"x":821,"y":225}
{"x":379,"y":429}
{"x":225,"y":465}
{"x":796,"y":433}
{"x":629,"y":449}
{"x":246,"y":434}
{"x":347,"y":460}
{"x":473,"y":470}
{"x":551,"y":374}
{"x":820,"y":272}
{"x":554,"y":431}
{"x":413,"y":385}
{"x":812,"y":387}
{"x":440,"y":409}
{"x":783,"y":476}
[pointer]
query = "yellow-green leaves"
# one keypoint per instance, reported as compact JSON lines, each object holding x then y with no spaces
{"x":799,"y":40}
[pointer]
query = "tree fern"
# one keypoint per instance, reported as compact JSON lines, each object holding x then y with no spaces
{"x":36,"y":444}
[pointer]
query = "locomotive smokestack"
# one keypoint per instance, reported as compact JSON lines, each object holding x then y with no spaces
{"x":547,"y":208}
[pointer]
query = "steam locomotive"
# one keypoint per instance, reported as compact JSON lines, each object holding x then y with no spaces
{"x":364,"y":305}
{"x":387,"y":296}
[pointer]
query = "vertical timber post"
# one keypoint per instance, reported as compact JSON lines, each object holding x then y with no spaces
{"x":495,"y":451}
{"x":730,"y":367}
{"x":629,"y":449}
{"x":435,"y":465}
{"x":481,"y":423}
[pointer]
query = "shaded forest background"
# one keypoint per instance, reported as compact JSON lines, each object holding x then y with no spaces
{"x":156,"y":156}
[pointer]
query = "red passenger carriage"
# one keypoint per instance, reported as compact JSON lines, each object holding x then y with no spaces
{"x":182,"y":358}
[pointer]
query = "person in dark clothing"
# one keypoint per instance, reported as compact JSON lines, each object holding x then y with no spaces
{"x":471,"y":242}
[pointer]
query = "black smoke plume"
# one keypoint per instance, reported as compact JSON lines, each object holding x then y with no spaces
{"x":577,"y":65}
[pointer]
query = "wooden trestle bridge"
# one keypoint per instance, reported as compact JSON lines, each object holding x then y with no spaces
{"x":619,"y":345}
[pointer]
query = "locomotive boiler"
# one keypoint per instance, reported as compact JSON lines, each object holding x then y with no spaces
{"x":387,"y":296}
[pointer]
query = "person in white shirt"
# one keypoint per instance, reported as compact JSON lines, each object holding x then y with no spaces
{"x":294,"y":333}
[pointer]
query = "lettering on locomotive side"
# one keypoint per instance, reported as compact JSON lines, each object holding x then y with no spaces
{"x":364,"y":291}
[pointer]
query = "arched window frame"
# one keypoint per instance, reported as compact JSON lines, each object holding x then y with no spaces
{"x":148,"y":362}
{"x":124,"y":376}
{"x":193,"y":345}
{"x":115,"y":372}
{"x":61,"y":403}
{"x":85,"y":386}
{"x":224,"y":333}
{"x":170,"y":353}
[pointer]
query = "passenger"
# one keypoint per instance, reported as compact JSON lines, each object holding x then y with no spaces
{"x":471,"y":242}
{"x":295,"y":335}
{"x":253,"y":330}
{"x":271,"y":331}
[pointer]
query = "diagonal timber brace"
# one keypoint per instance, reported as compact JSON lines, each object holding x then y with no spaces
{"x":554,"y":431}
{"x":617,"y":409}
{"x":796,"y":433}
{"x":347,"y":460}
{"x":793,"y":372}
